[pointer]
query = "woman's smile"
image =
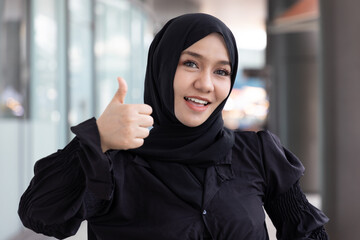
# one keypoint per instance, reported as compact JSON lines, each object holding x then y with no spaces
{"x":197,"y":103}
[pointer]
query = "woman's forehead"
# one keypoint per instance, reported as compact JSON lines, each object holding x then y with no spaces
{"x":212,"y":45}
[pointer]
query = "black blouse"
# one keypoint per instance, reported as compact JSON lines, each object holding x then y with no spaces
{"x":122,"y":197}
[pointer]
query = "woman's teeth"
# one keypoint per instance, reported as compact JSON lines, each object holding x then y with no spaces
{"x":195,"y":100}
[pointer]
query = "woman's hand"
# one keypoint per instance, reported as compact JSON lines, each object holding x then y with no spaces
{"x":124,"y":126}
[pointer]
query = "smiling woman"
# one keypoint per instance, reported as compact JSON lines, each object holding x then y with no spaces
{"x":202,"y":80}
{"x":187,"y":178}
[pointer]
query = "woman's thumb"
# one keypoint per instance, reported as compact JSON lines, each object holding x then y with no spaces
{"x":121,"y":92}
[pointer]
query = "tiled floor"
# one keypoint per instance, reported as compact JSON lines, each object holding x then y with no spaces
{"x":82,"y":233}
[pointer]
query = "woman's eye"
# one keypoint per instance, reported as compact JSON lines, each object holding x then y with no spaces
{"x":222,"y":72}
{"x":190,"y":64}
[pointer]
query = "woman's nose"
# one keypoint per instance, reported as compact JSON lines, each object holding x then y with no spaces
{"x":204,"y":82}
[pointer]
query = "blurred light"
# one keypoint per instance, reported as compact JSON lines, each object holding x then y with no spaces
{"x":148,"y":37}
{"x":254,"y":39}
{"x":76,"y":58}
{"x":52,"y":94}
{"x":75,"y":5}
{"x":12,"y":100}
{"x":72,"y":117}
{"x":118,"y":45}
{"x":229,"y":105}
{"x":55,"y":116}
{"x":45,"y":33}
{"x":15,"y":106}
{"x":121,"y":5}
{"x":246,"y":108}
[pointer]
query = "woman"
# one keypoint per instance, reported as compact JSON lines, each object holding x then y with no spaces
{"x":189,"y":178}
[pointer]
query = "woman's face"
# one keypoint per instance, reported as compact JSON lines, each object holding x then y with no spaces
{"x":202,"y":80}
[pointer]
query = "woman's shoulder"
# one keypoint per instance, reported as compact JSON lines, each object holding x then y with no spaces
{"x":246,"y":148}
{"x":248,"y":139}
{"x":254,"y":139}
{"x":264,"y":152}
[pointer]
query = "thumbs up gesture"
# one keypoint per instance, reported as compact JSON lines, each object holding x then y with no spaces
{"x":124,"y":126}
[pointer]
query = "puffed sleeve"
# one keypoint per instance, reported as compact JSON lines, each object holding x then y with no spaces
{"x":292,"y":215}
{"x":68,"y":186}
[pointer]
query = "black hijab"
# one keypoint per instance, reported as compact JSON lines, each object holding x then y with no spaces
{"x":170,"y":140}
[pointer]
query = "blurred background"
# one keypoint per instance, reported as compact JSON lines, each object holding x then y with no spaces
{"x":299,"y":77}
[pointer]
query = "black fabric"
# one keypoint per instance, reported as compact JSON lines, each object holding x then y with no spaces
{"x":199,"y":173}
{"x":142,"y":206}
{"x":319,"y":233}
{"x":294,"y":207}
{"x":170,"y":140}
{"x":181,"y":180}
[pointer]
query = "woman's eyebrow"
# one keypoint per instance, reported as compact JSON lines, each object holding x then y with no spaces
{"x":196,"y":55}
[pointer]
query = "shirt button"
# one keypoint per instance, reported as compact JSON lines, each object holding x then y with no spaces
{"x":204,"y":212}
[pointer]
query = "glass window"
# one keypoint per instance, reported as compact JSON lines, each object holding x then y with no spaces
{"x":12,"y":110}
{"x":120,"y":43}
{"x":138,"y":56}
{"x":112,"y":48}
{"x":48,"y":85}
{"x":11,"y":97}
{"x":2,"y":105}
{"x":81,"y":102}
{"x":1,"y":51}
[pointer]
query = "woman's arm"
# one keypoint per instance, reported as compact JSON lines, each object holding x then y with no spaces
{"x":295,"y":218}
{"x":292,"y":215}
{"x":77,"y":182}
{"x":69,"y":186}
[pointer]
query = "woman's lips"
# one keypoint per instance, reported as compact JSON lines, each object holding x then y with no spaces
{"x":196,"y":103}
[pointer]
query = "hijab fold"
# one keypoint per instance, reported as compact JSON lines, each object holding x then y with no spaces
{"x":170,"y":141}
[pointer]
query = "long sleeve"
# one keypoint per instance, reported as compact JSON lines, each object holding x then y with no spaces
{"x":69,"y":186}
{"x":295,"y":218}
{"x":292,"y":215}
